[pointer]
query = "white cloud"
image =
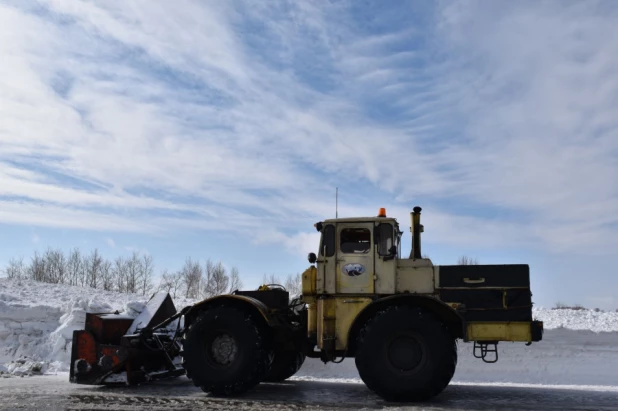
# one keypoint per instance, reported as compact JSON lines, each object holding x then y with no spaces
{"x":44,"y":215}
{"x":145,"y":117}
{"x":299,"y":244}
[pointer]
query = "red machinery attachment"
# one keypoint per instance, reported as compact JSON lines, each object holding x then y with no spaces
{"x":114,"y":348}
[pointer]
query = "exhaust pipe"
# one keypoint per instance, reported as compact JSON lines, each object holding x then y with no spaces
{"x":416,"y":229}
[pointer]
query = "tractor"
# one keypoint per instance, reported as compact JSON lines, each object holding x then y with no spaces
{"x":399,"y":317}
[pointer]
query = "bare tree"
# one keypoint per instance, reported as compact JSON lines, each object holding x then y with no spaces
{"x":107,"y":276}
{"x":216,"y":281}
{"x":465,"y":260}
{"x":166,"y":283}
{"x":191,"y":274}
{"x":55,"y":266}
{"x":146,"y":274}
{"x":75,"y":267}
{"x":171,"y":283}
{"x":36,"y":270}
{"x":119,"y":273}
{"x":294,"y":284}
{"x":235,"y":281}
{"x":134,"y":273}
{"x":93,"y":265}
{"x":15,"y":269}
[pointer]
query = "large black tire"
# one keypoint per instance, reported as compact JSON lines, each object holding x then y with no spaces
{"x":405,"y":354}
{"x":226,"y":352}
{"x":284,"y":365}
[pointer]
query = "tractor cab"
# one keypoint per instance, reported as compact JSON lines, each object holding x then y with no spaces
{"x":356,"y":253}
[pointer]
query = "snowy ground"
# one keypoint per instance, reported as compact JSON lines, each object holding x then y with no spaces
{"x":574,"y":367}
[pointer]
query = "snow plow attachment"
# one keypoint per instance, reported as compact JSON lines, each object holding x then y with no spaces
{"x":117,"y":349}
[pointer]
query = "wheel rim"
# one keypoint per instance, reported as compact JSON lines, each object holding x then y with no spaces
{"x":406,"y":353}
{"x":222,"y":349}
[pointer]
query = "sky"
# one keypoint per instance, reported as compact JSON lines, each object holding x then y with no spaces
{"x":221,"y":130}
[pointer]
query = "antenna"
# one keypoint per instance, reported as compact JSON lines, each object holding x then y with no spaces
{"x":336,"y":202}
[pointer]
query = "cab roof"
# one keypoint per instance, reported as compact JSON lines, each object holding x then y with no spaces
{"x":361,"y":220}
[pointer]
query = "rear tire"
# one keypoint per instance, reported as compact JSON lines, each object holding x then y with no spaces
{"x":226,"y":352}
{"x":285,"y":364}
{"x":404,"y":354}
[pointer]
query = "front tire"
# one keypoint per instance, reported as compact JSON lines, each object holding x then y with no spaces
{"x":405,"y":354}
{"x":226,"y":352}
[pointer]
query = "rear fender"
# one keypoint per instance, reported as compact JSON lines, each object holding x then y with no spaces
{"x":247,"y":304}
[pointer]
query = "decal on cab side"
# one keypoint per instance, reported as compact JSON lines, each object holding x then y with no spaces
{"x":353,"y":269}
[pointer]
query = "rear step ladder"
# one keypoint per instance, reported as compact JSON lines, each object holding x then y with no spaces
{"x":481,"y":349}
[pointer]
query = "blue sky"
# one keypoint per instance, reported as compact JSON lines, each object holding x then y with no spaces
{"x":221,"y":129}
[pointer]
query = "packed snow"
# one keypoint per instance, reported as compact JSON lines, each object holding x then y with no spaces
{"x":579,"y":347}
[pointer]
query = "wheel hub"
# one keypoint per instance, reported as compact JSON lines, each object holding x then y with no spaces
{"x":224,"y":349}
{"x":405,"y":353}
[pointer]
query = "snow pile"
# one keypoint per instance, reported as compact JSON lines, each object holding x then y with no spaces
{"x":578,"y":319}
{"x":37,"y":321}
{"x":23,"y":367}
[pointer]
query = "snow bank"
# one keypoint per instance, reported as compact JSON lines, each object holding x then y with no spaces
{"x":37,"y":321}
{"x":577,"y":319}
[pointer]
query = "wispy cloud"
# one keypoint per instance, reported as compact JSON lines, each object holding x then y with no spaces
{"x":110,"y":242}
{"x":135,"y":116}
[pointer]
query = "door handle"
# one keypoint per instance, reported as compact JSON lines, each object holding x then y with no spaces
{"x":474,"y":280}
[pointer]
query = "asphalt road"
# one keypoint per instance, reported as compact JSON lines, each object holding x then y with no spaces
{"x":56,"y":393}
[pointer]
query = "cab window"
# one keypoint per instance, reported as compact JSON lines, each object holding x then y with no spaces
{"x":355,"y":241}
{"x":384,"y":238}
{"x":327,"y":248}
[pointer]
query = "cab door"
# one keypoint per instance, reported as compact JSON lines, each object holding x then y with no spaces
{"x":325,"y":280}
{"x":355,"y":258}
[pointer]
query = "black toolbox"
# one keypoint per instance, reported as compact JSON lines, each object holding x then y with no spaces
{"x":488,"y":292}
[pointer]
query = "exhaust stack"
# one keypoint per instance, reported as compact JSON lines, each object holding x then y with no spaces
{"x":416,"y":229}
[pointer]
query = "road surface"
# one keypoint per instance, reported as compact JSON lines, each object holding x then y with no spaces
{"x":56,"y":393}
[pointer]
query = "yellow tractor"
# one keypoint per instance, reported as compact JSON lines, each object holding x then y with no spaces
{"x":399,"y":318}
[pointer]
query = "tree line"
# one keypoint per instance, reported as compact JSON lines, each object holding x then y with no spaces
{"x":134,"y":274}
{"x":196,"y":280}
{"x":126,"y":275}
